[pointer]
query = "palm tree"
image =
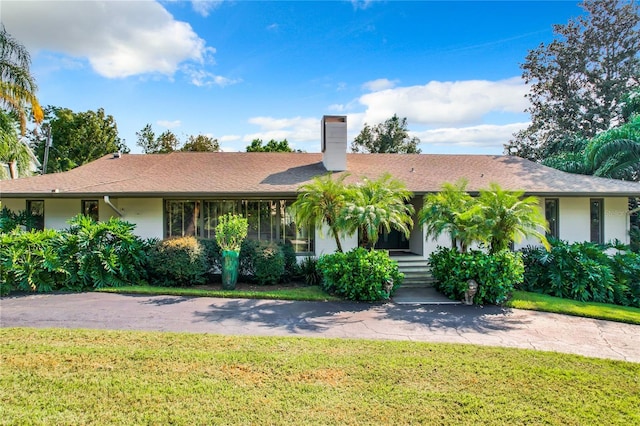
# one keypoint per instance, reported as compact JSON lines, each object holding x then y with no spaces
{"x":13,"y":152}
{"x":17,"y":85}
{"x":443,"y":212}
{"x":508,"y":217}
{"x":612,"y":154}
{"x":378,"y":205}
{"x":321,"y":202}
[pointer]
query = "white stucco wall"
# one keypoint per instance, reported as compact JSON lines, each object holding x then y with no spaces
{"x":145,"y":213}
{"x":326,"y":244}
{"x":13,"y":204}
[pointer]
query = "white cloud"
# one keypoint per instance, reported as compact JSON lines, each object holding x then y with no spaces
{"x":118,"y":38}
{"x":446,"y":103}
{"x":169,"y":124}
{"x":361,"y":4}
{"x":201,"y":78}
{"x":273,"y":27}
{"x":379,"y":84}
{"x":204,"y":7}
{"x":292,"y":129}
{"x":484,"y":135}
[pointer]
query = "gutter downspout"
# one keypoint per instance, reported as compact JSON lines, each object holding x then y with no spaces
{"x":107,"y":200}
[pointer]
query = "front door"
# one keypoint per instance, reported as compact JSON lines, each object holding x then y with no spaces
{"x":394,"y":240}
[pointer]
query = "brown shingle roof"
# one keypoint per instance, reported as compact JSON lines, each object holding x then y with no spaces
{"x":253,"y":174}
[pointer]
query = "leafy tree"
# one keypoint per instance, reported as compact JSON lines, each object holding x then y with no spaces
{"x":443,"y":212}
{"x":201,"y":143}
{"x":508,"y":216}
{"x":13,"y":152}
{"x":150,"y":144}
{"x":321,"y":202}
{"x":578,"y":80}
{"x":17,"y":85}
{"x":271,"y":146}
{"x":376,"y":206}
{"x":614,"y":153}
{"x":391,"y":136}
{"x":78,"y":138}
{"x":631,"y":105}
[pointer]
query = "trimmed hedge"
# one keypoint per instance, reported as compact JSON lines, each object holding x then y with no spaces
{"x":495,"y":274}
{"x":178,"y":262}
{"x":360,"y":274}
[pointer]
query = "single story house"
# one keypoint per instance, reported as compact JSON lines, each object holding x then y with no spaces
{"x":183,"y":193}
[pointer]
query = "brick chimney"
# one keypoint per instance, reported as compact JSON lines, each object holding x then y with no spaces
{"x":334,"y":142}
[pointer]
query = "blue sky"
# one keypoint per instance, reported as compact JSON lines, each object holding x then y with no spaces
{"x":239,"y":70}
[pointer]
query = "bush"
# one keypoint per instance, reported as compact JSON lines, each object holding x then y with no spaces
{"x":261,"y":262}
{"x":291,"y":268}
{"x":102,"y":254}
{"x":10,"y":221}
{"x":360,"y":274}
{"x":30,"y":261}
{"x":309,"y":271}
{"x":584,"y":272}
{"x":213,"y":255}
{"x":496,"y":274}
{"x":178,"y":262}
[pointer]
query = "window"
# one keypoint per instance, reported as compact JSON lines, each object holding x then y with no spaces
{"x":269,"y":220}
{"x":597,"y":220}
{"x":90,"y":208}
{"x":36,"y":210}
{"x":551,"y":213}
{"x":182,"y":218}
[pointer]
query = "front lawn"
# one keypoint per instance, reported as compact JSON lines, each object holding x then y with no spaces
{"x":542,"y":302}
{"x":56,"y":376}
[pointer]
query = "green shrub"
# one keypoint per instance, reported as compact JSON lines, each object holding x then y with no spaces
{"x":360,"y":274}
{"x":269,"y":263}
{"x":213,"y":254}
{"x":102,"y":254}
{"x":291,"y":268}
{"x":496,"y":274}
{"x":30,"y":261}
{"x":10,"y":221}
{"x":584,"y":272}
{"x":309,"y":271}
{"x":178,"y":262}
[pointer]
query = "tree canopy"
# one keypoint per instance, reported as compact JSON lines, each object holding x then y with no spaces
{"x":391,"y":137}
{"x":17,"y":85}
{"x":271,"y":146}
{"x":578,"y":81}
{"x":201,"y":143}
{"x":78,"y":138}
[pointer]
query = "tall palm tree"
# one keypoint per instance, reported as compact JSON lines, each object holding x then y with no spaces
{"x":507,"y":217}
{"x":17,"y":85}
{"x":443,"y":212}
{"x":378,"y":205}
{"x":13,"y":152}
{"x":613,"y":154}
{"x":321,"y":202}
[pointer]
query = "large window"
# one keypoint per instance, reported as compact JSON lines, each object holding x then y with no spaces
{"x":551,"y":213}
{"x":597,"y":220}
{"x":182,"y":218}
{"x":269,"y":220}
{"x":91,"y":208}
{"x":36,"y":210}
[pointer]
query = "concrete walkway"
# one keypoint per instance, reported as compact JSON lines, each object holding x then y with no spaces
{"x":493,"y":326}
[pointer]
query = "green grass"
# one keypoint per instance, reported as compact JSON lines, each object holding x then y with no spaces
{"x":60,"y":376}
{"x":309,"y":293}
{"x":605,"y":311}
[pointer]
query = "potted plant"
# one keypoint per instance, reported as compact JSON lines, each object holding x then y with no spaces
{"x":230,"y":232}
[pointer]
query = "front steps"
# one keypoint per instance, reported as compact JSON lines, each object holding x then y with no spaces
{"x":416,"y":270}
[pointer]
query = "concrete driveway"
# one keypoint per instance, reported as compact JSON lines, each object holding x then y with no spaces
{"x":491,"y":325}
